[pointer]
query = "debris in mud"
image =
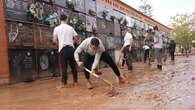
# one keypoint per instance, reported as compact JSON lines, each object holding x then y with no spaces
{"x":112,"y":92}
{"x":151,"y":96}
{"x":93,"y":94}
{"x":173,"y":73}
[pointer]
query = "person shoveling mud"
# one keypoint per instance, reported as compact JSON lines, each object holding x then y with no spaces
{"x":94,"y":52}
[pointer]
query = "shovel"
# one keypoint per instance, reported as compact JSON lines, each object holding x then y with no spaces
{"x":112,"y":92}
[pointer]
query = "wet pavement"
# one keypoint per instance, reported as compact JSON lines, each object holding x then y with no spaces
{"x":149,"y":89}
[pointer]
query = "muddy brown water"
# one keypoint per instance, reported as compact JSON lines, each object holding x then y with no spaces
{"x":149,"y":89}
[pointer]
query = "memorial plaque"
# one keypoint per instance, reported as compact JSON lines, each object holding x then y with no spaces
{"x":26,"y":34}
{"x":53,"y":62}
{"x":113,"y":42}
{"x":102,"y":37}
{"x":47,"y":61}
{"x":110,"y":28}
{"x":22,"y":63}
{"x":80,"y":5}
{"x":49,"y":37}
{"x":38,"y":40}
{"x":17,"y":9}
{"x":12,"y":33}
{"x":43,"y":37}
{"x":44,"y":62}
{"x":28,"y":65}
{"x":46,"y":35}
{"x":15,"y":66}
{"x":82,"y":17}
{"x":60,"y":2}
{"x":101,"y":26}
{"x":19,"y":34}
{"x":117,"y":30}
{"x":28,"y":61}
{"x":91,"y":23}
{"x":90,"y":5}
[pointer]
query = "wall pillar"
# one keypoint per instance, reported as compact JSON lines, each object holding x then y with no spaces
{"x":4,"y":65}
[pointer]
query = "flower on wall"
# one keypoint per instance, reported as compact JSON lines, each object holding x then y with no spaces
{"x":104,"y":14}
{"x":70,"y":4}
{"x":112,"y":18}
{"x":91,"y":12}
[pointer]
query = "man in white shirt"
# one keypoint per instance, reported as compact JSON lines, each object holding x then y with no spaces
{"x":158,"y":45}
{"x":127,"y":48}
{"x":94,"y":52}
{"x":64,"y":35}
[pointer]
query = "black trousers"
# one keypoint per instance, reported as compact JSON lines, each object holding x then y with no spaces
{"x":172,"y":55}
{"x":67,"y":56}
{"x":146,"y":55}
{"x":124,"y":59}
{"x":88,"y":61}
{"x":129,"y":57}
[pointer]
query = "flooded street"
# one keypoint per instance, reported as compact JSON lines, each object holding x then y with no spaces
{"x":149,"y":89}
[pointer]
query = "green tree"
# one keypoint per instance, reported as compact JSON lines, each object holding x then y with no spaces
{"x":183,"y":31}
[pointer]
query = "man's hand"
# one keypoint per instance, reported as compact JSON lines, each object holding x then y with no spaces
{"x":130,"y":48}
{"x":80,"y":64}
{"x":121,"y":50}
{"x":93,"y":71}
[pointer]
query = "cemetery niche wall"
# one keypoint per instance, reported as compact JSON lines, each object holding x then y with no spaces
{"x":30,"y":25}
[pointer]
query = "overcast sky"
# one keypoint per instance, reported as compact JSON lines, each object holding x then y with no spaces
{"x":164,"y":9}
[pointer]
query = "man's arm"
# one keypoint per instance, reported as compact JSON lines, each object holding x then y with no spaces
{"x":77,"y":52}
{"x":79,"y":49}
{"x":98,"y":55}
{"x":124,"y":43}
{"x":156,"y":40}
{"x":96,"y":60}
{"x":130,"y":42}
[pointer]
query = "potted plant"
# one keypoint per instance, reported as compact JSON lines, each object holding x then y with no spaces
{"x":72,"y":21}
{"x":70,"y":4}
{"x":80,"y":26}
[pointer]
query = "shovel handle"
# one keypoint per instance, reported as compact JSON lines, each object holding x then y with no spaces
{"x":97,"y":76}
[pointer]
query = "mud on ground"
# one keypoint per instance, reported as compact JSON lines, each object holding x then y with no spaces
{"x":149,"y":89}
